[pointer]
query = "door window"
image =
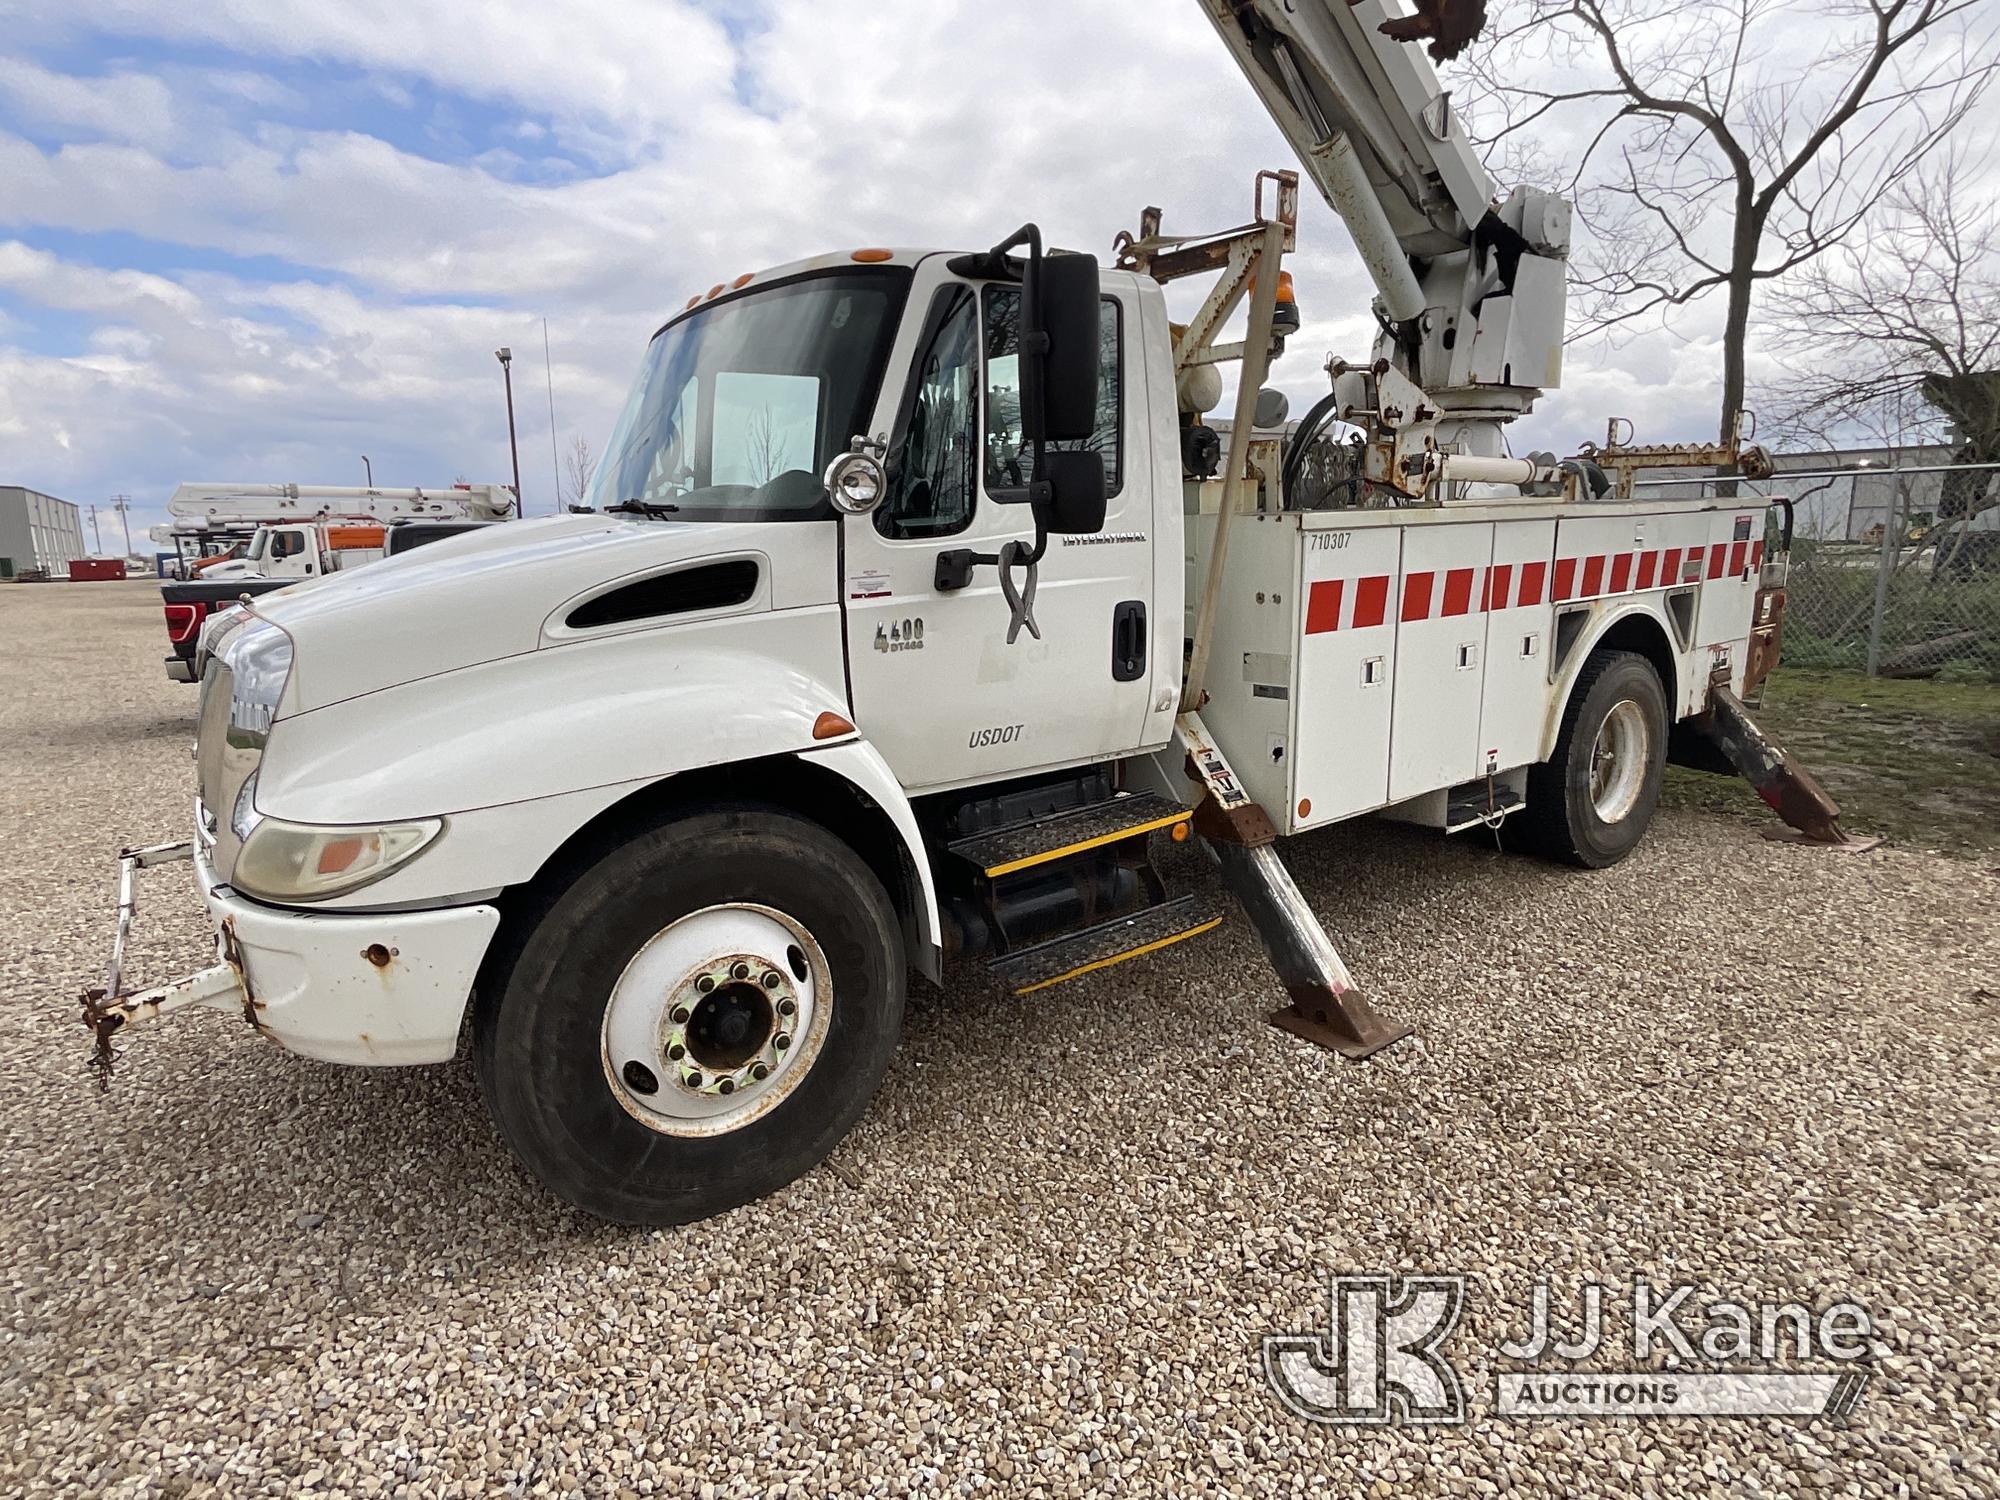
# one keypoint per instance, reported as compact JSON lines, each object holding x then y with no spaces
{"x":287,"y":543}
{"x":1009,"y":457}
{"x":936,"y":485}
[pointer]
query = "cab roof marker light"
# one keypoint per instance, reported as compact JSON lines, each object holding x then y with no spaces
{"x":871,"y":255}
{"x":742,"y":281}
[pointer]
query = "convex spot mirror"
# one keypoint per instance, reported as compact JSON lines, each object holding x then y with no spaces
{"x":1073,"y":502}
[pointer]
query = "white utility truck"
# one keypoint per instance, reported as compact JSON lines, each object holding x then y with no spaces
{"x":916,"y":598}
{"x":279,"y":534}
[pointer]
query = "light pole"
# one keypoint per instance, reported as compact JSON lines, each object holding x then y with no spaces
{"x":368,"y":469}
{"x":506,"y":358}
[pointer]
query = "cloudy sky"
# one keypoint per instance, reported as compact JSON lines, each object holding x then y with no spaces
{"x":255,"y":239}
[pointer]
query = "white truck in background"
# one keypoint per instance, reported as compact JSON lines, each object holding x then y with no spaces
{"x":915,"y":601}
{"x":286,"y":533}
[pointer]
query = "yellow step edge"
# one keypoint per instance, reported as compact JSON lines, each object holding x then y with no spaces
{"x":1118,"y":958}
{"x":1077,"y":848}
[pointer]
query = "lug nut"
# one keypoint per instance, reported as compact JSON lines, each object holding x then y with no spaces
{"x":784,"y":1041}
{"x":740,"y":971}
{"x":681,"y":1015}
{"x":759,"y":1071}
{"x":771,"y":979}
{"x":787,"y":1006}
{"x":676,"y":1052}
{"x":705,"y":983}
{"x":727,"y":1086}
{"x":691,"y":1078}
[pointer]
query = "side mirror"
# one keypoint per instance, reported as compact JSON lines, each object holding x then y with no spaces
{"x":1061,"y":303}
{"x":1073,"y":500}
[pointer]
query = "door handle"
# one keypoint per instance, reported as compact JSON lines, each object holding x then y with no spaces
{"x":1128,"y":641}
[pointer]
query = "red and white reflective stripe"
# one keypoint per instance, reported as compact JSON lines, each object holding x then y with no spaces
{"x":1358,"y":603}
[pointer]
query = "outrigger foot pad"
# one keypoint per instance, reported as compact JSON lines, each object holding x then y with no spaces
{"x":1326,"y":1009}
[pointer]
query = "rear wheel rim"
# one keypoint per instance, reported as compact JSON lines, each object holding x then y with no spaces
{"x":716,"y":1020}
{"x":1619,"y":757}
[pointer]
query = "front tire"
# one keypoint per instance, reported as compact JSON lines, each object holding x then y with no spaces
{"x":1591,"y":802}
{"x":695,"y":1019}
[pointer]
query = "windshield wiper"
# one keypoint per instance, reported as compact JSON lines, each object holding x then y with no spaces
{"x":641,"y":508}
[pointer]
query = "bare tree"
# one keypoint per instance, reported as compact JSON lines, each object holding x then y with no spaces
{"x":579,"y":465}
{"x":1898,"y":334}
{"x":767,"y":446}
{"x":1722,"y":144}
{"x":1902,"y":330}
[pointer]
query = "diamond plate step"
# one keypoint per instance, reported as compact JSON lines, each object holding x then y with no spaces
{"x":1006,"y":850}
{"x":1109,"y":943}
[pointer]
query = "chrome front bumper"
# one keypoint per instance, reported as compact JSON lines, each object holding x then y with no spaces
{"x":372,"y":988}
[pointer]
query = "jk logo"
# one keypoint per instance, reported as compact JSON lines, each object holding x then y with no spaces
{"x":1378,"y":1361}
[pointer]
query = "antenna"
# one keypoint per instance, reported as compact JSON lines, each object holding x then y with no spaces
{"x":555,"y":460}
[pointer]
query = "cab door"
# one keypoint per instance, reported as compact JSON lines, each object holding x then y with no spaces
{"x":937,"y":685}
{"x":293,"y":552}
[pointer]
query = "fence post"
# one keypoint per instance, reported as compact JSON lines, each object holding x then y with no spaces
{"x":1885,"y":568}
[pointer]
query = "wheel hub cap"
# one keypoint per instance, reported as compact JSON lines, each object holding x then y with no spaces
{"x":1618,"y":761}
{"x":716,"y":1019}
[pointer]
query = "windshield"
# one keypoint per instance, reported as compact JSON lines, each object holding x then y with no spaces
{"x":739,"y":408}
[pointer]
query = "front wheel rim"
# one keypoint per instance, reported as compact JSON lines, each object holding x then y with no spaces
{"x":716,"y":1020}
{"x":1619,"y":757}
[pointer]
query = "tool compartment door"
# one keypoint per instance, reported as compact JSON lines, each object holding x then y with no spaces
{"x":1440,"y":658}
{"x":1514,"y":708}
{"x":1347,"y":665}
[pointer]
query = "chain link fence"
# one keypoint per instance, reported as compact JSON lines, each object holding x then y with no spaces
{"x":1894,"y":573}
{"x":1908,"y":586}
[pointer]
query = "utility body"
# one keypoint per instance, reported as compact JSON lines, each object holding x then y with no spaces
{"x":917,"y":601}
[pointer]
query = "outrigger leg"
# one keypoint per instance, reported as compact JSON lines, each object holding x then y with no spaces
{"x":1787,"y":788}
{"x":1326,"y":1008}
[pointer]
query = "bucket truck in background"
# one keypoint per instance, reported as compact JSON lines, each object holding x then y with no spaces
{"x":240,"y":540}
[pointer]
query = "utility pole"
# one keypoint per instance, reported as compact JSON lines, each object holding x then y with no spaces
{"x":506,"y":358}
{"x":123,"y":505}
{"x":96,"y":546}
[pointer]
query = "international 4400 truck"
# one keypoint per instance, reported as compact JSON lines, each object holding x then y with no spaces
{"x":916,"y":599}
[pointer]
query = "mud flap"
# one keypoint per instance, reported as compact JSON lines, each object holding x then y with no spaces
{"x":1787,"y":788}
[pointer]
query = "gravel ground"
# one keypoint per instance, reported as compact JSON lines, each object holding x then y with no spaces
{"x":1043,"y":1263}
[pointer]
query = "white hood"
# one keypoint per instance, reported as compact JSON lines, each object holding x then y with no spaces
{"x":491,"y":593}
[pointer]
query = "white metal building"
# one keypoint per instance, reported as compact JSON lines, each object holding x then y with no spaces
{"x":38,"y":531}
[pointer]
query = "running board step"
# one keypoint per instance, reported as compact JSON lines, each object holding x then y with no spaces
{"x":1006,"y":850}
{"x":1474,"y":803}
{"x":1108,"y":943}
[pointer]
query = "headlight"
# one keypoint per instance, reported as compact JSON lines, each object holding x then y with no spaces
{"x":260,"y":659}
{"x":283,"y":861}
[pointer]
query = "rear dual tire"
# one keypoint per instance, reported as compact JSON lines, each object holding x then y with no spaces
{"x":693,"y":1020}
{"x":1591,"y":802}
